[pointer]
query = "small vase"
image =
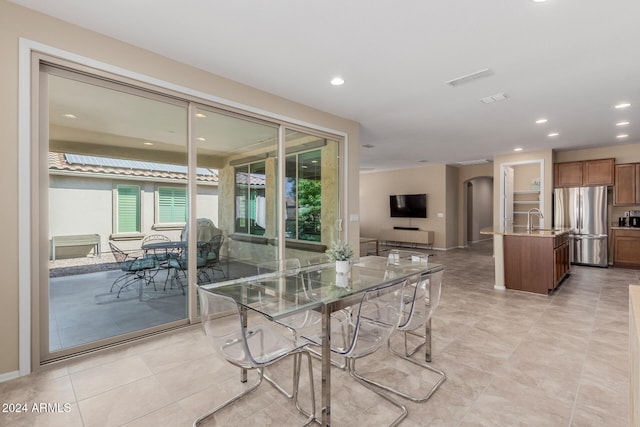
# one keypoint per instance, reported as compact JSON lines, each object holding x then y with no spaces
{"x":343,"y":267}
{"x":342,"y":280}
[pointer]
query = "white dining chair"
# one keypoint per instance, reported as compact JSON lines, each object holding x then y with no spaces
{"x":419,"y":303}
{"x":253,"y":343}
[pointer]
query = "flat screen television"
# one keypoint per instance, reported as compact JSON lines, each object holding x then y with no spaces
{"x":408,"y":205}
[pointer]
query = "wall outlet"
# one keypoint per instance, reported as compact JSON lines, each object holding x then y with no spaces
{"x":440,"y":215}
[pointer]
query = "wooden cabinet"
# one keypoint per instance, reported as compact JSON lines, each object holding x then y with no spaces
{"x":567,"y":174}
{"x":535,"y":264}
{"x":627,"y":188}
{"x":626,"y":247}
{"x":588,"y":172}
{"x":560,"y":259}
{"x":418,"y":237}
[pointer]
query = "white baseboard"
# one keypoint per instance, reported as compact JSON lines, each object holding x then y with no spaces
{"x":500,"y":287}
{"x":9,"y":376}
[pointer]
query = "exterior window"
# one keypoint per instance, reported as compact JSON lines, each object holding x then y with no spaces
{"x":172,"y":205}
{"x":250,"y":217}
{"x":128,"y":209}
{"x":303,"y":196}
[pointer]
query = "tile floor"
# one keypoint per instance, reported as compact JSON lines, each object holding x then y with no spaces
{"x":511,"y":358}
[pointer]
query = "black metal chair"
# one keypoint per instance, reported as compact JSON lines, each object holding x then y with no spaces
{"x":160,"y":255}
{"x":136,"y":269}
{"x":213,"y":256}
{"x":178,"y":266}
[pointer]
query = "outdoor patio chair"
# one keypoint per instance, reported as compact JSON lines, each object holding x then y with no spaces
{"x":160,"y":255}
{"x":177,"y":267}
{"x":136,"y":269}
{"x":213,"y":256}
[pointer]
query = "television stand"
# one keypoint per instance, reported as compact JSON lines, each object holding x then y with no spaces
{"x":415,"y":236}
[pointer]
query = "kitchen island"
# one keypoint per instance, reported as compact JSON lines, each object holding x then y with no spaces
{"x":534,"y":261}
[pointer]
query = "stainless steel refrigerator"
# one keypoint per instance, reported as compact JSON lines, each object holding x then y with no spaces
{"x":584,"y":210}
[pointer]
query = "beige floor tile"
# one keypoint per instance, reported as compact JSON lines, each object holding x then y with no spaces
{"x":511,"y":359}
{"x":93,"y":381}
{"x":507,"y":403}
{"x":124,"y":404}
{"x":169,"y":416}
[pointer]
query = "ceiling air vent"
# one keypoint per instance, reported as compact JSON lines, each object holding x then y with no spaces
{"x":493,"y":98}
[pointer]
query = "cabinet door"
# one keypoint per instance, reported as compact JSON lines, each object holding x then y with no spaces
{"x":598,"y":172}
{"x":560,"y":263}
{"x":568,"y":174}
{"x":637,"y":183}
{"x":625,"y":190}
{"x":626,"y":248}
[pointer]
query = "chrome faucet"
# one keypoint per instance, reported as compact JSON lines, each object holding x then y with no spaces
{"x":534,"y":211}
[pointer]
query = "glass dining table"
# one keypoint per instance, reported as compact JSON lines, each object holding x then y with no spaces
{"x":319,"y":287}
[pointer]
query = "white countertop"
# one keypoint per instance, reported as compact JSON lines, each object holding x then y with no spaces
{"x":522,"y":231}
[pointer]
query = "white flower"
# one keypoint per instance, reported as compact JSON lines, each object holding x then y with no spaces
{"x":340,"y":251}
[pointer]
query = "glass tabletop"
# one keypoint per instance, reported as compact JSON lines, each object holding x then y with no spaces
{"x":278,"y":294}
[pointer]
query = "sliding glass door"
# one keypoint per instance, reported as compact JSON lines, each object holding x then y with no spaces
{"x":144,"y":193}
{"x":117,"y":177}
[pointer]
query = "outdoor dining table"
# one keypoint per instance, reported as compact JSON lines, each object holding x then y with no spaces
{"x":166,"y":246}
{"x":279,"y":294}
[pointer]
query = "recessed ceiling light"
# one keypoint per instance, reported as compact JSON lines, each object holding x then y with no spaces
{"x":337,"y":81}
{"x":148,"y":143}
{"x":539,"y":1}
{"x":70,"y":116}
{"x":623,"y":105}
{"x":201,"y":139}
{"x":201,"y":115}
{"x":552,"y":134}
{"x":518,"y":149}
{"x":423,"y":161}
{"x":622,"y":123}
{"x":622,"y":135}
{"x":540,"y":121}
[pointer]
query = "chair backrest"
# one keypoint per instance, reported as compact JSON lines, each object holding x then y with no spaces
{"x":155,"y":238}
{"x":288,"y":265}
{"x":435,"y":290}
{"x":318,"y":259}
{"x":421,"y":301}
{"x":398,"y":256}
{"x":375,"y":318}
{"x":118,"y":254}
{"x":214,"y":248}
{"x":222,"y":321}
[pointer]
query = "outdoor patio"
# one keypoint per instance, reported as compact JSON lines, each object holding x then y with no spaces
{"x":83,"y":309}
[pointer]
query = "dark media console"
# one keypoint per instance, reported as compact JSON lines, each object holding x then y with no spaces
{"x":405,"y":228}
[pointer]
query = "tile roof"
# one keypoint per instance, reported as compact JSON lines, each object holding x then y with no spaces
{"x":60,"y":162}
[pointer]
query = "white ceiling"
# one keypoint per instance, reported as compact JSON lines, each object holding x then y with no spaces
{"x":569,"y":61}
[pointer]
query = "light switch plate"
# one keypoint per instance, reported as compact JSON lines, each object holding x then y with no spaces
{"x":440,"y":215}
{"x":354,"y":217}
